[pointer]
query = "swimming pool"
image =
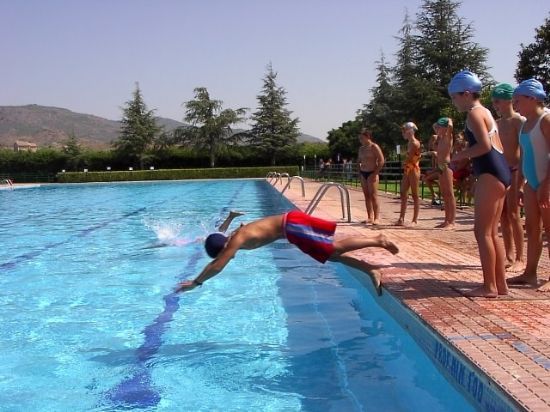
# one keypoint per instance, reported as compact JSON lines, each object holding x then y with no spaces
{"x":90,"y":321}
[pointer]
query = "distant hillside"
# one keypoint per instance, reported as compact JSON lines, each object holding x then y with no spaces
{"x":51,"y":126}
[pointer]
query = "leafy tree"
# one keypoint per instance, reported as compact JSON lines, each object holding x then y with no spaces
{"x":534,"y":60}
{"x":138,"y":131}
{"x":273,"y":131}
{"x":413,"y":93}
{"x":344,"y":140}
{"x":380,"y":115}
{"x":210,"y":128}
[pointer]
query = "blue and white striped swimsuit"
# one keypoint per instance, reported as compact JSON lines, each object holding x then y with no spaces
{"x":535,"y":154}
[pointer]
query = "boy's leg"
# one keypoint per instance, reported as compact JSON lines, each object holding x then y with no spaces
{"x":363,"y":266}
{"x":348,"y":244}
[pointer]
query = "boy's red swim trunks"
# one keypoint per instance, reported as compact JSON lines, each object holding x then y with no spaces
{"x":312,"y":235}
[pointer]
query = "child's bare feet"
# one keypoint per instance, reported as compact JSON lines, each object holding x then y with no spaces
{"x":399,"y":222}
{"x":516,"y":266}
{"x":523,"y":279}
{"x":545,"y":287}
{"x":481,"y":292}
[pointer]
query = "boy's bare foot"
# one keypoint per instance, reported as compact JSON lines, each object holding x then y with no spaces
{"x":481,"y":292}
{"x":388,"y":244}
{"x":523,"y":279}
{"x":545,"y":287}
{"x":449,"y":226}
{"x":399,"y":222}
{"x":376,"y":278}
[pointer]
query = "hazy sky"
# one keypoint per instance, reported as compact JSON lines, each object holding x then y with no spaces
{"x":86,"y":55}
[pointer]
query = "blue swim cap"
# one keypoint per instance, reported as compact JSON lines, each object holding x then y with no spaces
{"x":464,"y":81}
{"x":531,"y":88}
{"x":214,"y":244}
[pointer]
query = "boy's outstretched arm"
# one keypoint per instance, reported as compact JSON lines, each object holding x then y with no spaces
{"x":210,"y":270}
{"x":232,"y":215}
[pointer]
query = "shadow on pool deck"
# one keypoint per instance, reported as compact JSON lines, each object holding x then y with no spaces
{"x":430,"y":274}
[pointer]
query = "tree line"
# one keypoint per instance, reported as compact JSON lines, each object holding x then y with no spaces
{"x":432,"y":48}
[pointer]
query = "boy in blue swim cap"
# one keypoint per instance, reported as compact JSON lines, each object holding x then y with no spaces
{"x":534,"y":140}
{"x":509,"y":125}
{"x":493,"y":178}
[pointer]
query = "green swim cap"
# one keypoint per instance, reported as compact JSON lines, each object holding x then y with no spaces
{"x":443,"y":121}
{"x":502,"y":91}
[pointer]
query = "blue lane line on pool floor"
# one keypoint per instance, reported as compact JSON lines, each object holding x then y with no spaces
{"x":138,"y":391}
{"x":82,"y":233}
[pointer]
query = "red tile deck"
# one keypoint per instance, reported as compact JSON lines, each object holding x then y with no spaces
{"x":507,"y":338}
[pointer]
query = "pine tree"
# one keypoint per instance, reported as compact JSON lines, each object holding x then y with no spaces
{"x":445,"y":46}
{"x":273,"y":131}
{"x":138,"y":131}
{"x":432,"y":50}
{"x":379,"y":115}
{"x":534,"y":60}
{"x":210,"y":128}
{"x":73,"y":151}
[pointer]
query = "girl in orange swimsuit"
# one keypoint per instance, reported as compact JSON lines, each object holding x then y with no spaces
{"x":411,"y":173}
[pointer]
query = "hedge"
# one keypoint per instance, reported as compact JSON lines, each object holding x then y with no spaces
{"x":174,"y":174}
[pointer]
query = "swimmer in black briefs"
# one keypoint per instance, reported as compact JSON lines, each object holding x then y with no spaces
{"x":371,"y":161}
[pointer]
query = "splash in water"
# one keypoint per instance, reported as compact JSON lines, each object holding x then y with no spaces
{"x":168,"y":233}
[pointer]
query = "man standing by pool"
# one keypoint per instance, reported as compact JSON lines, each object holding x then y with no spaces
{"x":312,"y":235}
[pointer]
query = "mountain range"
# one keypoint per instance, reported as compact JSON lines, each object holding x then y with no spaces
{"x":51,"y":126}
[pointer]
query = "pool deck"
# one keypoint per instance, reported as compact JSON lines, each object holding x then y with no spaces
{"x":507,"y":338}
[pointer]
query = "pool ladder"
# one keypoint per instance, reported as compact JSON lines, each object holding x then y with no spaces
{"x":275,"y":177}
{"x":344,"y":198}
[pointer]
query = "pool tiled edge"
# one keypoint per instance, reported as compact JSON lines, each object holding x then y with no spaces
{"x":482,"y":391}
{"x":495,"y":350}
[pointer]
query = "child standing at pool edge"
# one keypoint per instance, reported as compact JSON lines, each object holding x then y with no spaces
{"x":534,"y":139}
{"x":411,"y":173}
{"x":312,"y":235}
{"x":493,"y":179}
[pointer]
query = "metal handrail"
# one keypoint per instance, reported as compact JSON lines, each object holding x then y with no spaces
{"x":321,"y":192}
{"x":277,"y":176}
{"x":272,"y":175}
{"x":290,"y":179}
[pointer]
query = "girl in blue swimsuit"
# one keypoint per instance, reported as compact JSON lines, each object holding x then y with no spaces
{"x":534,"y":139}
{"x":493,"y":179}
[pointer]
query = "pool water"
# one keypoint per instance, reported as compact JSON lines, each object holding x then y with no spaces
{"x":90,"y":320}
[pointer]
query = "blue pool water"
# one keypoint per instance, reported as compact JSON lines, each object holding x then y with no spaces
{"x":89,"y":320}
